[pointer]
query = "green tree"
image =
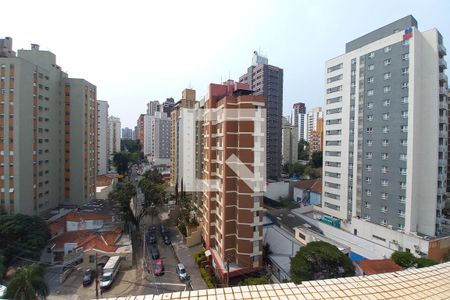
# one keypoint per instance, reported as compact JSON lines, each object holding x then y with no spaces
{"x":121,"y":198}
{"x":303,"y":150}
{"x":154,"y":190}
{"x":404,"y":259}
{"x":423,"y":262}
{"x":28,"y":283}
{"x":23,"y":236}
{"x":320,"y":260}
{"x":2,"y":266}
{"x":121,"y":161}
{"x":130,"y":145}
{"x":316,"y":159}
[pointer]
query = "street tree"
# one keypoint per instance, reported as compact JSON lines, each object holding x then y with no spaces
{"x":303,"y":150}
{"x":22,"y":236}
{"x":121,"y":161}
{"x":28,"y":283}
{"x":154,"y":190}
{"x":320,"y":260}
{"x":316,"y":159}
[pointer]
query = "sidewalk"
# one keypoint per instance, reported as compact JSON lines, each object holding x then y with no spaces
{"x":186,"y":256}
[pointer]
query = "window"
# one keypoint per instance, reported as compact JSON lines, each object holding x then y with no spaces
{"x":405,"y":99}
{"x":370,"y":79}
{"x":405,"y":71}
{"x":403,"y":185}
{"x":403,"y":156}
{"x":334,"y":100}
{"x":371,"y":54}
{"x":385,"y":143}
{"x":370,"y":93}
{"x":384,"y":209}
{"x":405,"y":42}
{"x":91,"y":259}
{"x":387,"y":62}
{"x":405,"y":56}
{"x":384,"y":196}
{"x":384,"y":182}
{"x":387,"y":75}
{"x":386,"y":116}
{"x":369,"y":130}
{"x":383,"y":222}
{"x":369,"y":193}
{"x":387,"y":89}
{"x":371,"y":67}
{"x":369,"y":117}
{"x":384,"y":156}
{"x":404,"y":128}
{"x":370,"y":105}
{"x":369,"y":180}
{"x":369,"y":155}
{"x":401,"y":213}
{"x":369,"y":168}
{"x":335,"y":67}
{"x":404,"y":114}
{"x":404,"y":85}
{"x":332,"y":206}
{"x":334,"y":111}
{"x":402,"y":171}
{"x":334,"y":78}
{"x":387,"y":49}
{"x":402,"y":199}
{"x":367,"y":204}
{"x":369,"y":143}
{"x":385,"y":129}
{"x":386,"y":102}
{"x":384,"y":169}
{"x":404,"y":143}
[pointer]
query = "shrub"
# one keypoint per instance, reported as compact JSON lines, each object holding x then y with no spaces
{"x":199,"y":257}
{"x":425,"y":262}
{"x":254,"y":281}
{"x":404,"y":259}
{"x":207,"y":278}
{"x":182,"y":229}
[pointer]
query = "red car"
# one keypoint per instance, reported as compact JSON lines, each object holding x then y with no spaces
{"x":159,"y":267}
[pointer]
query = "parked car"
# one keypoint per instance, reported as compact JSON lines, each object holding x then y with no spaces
{"x":181,"y":271}
{"x":88,"y":277}
{"x":162,"y":230}
{"x":166,"y":239}
{"x":152,"y":237}
{"x":154,"y":251}
{"x":159,"y":267}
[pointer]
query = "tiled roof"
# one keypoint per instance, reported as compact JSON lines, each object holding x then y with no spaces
{"x":314,"y":185}
{"x":57,"y":226}
{"x":426,"y":283}
{"x":104,"y":180}
{"x":378,"y":266}
{"x":79,"y":216}
{"x":89,"y":239}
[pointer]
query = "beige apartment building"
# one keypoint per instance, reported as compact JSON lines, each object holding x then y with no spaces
{"x":233,"y":156}
{"x":48,"y":133}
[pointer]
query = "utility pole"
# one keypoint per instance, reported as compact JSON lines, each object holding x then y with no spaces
{"x":96,"y":277}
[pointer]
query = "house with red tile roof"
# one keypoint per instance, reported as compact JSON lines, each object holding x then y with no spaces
{"x":308,"y":192}
{"x":376,"y":266}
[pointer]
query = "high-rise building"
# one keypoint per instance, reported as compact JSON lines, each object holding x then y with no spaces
{"x":114,"y":135}
{"x":298,"y":118}
{"x":139,"y":130}
{"x":103,"y":137}
{"x":153,"y":107}
{"x":267,"y":80}
{"x":386,"y":136}
{"x":156,"y":144}
{"x":289,"y":142}
{"x":127,"y":133}
{"x":183,"y":145}
{"x":233,"y":147}
{"x":315,"y":130}
{"x":167,"y":106}
{"x":48,"y":133}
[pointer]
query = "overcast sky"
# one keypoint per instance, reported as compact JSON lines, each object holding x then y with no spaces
{"x":134,"y":51}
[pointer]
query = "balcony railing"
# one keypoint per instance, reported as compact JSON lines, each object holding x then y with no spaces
{"x":442,"y":64}
{"x":443,"y":90}
{"x":442,"y":50}
{"x":443,"y":77}
{"x":443,"y":104}
{"x":443,"y":119}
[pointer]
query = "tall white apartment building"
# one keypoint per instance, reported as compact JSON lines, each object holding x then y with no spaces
{"x":114,"y":134}
{"x":385,"y":156}
{"x":153,"y":107}
{"x":103,"y":137}
{"x":156,"y":144}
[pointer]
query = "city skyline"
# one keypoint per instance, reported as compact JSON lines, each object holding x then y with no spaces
{"x":301,"y":48}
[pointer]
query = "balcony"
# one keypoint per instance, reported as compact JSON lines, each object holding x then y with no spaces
{"x":442,"y":177}
{"x":401,"y":214}
{"x":443,"y":119}
{"x":442,"y":50}
{"x":442,"y":64}
{"x":443,"y":134}
{"x":443,"y":77}
{"x":443,"y":104}
{"x":443,"y":148}
{"x":443,"y":90}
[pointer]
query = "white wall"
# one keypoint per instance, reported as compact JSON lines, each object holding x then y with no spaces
{"x":103,"y":138}
{"x":275,"y":190}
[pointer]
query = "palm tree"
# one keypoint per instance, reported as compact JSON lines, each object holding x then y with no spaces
{"x":28,"y":283}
